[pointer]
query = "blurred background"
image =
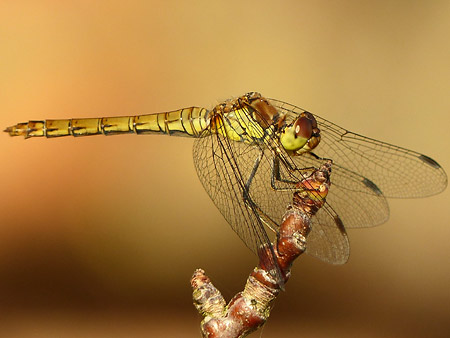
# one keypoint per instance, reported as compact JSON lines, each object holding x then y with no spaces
{"x":99,"y":236}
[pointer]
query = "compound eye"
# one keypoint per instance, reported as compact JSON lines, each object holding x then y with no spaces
{"x":302,"y":135}
{"x":310,"y":117}
{"x":297,"y":134}
{"x":303,"y":127}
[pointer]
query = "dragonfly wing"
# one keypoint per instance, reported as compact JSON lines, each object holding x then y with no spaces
{"x":395,"y":171}
{"x":224,"y":167}
{"x":353,"y":197}
{"x":328,"y":239}
{"x":355,"y":202}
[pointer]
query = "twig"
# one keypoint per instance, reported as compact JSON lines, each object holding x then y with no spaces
{"x":249,"y":309}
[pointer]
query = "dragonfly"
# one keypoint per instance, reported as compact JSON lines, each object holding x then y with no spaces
{"x":250,"y":154}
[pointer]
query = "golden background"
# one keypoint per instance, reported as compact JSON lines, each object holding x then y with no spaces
{"x":99,"y":235}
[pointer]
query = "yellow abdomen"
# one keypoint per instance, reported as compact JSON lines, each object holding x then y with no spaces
{"x":188,"y":121}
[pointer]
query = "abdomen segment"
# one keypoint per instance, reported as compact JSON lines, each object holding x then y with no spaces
{"x":188,"y":122}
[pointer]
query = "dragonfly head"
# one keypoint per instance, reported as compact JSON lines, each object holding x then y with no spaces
{"x":302,"y":135}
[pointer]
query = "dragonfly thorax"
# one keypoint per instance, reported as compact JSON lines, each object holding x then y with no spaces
{"x":256,"y":106}
{"x":257,"y":117}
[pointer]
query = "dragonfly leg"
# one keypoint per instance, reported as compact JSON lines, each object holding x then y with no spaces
{"x":252,"y":174}
{"x":271,"y":224}
{"x":276,"y":176}
{"x":319,"y":157}
{"x":292,"y":180}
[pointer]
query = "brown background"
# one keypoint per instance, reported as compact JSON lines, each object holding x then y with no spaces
{"x":99,"y":236}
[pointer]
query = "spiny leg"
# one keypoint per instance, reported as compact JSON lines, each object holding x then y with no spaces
{"x":270,"y":223}
{"x":276,"y":176}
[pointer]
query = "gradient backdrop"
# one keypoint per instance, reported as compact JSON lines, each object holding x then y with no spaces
{"x":99,"y":236}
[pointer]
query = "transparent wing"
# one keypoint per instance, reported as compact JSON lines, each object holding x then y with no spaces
{"x":328,"y":240}
{"x":396,"y":171}
{"x":351,"y":196}
{"x":366,"y":170}
{"x":225,"y":167}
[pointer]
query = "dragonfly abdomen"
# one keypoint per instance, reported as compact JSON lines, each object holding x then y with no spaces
{"x":188,"y":122}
